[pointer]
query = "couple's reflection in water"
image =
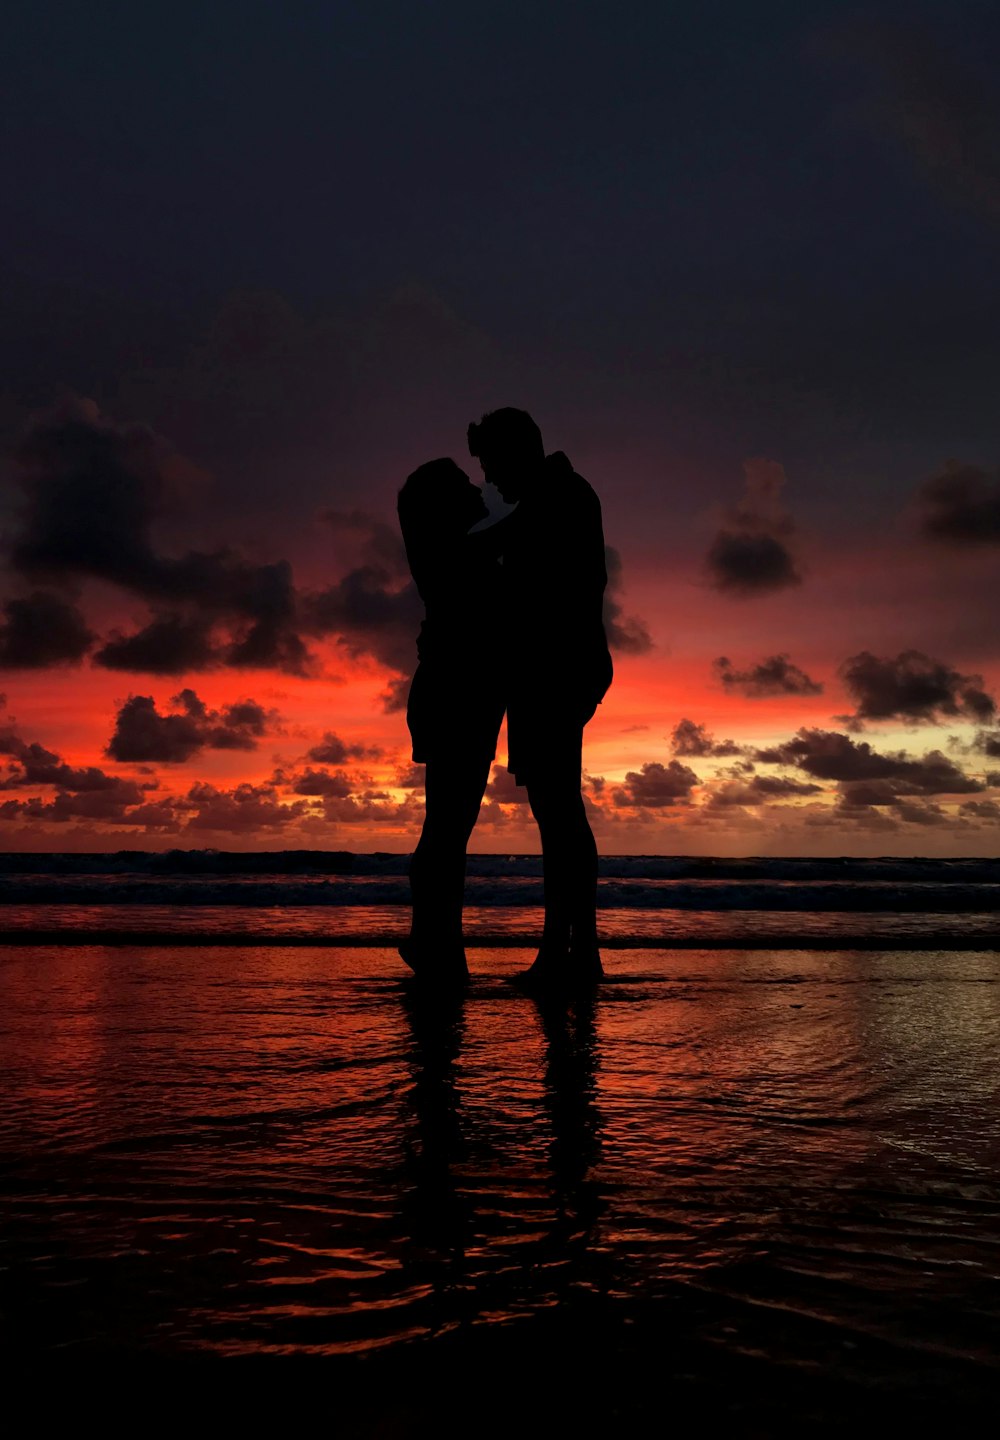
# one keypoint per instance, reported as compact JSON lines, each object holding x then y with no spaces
{"x":450,"y":1223}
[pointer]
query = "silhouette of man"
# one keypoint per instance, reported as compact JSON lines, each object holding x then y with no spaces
{"x":554,"y":577}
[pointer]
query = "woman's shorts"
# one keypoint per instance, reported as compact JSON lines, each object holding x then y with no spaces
{"x":452,"y":716}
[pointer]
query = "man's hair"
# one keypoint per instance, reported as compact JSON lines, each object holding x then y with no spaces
{"x":501,"y":431}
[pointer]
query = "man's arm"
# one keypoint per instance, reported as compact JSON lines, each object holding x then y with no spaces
{"x":588,"y":557}
{"x":490,"y":543}
{"x":591,"y":579}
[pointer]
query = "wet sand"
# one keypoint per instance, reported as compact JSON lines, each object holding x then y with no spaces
{"x":759,"y":1183}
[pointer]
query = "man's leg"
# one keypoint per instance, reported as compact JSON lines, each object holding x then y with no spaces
{"x":583,"y":892}
{"x":569,"y":863}
{"x":548,"y":801}
{"x":454,"y":793}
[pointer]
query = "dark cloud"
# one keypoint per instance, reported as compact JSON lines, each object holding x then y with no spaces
{"x":333,"y":751}
{"x":110,"y":805}
{"x":395,"y":694}
{"x":924,"y":812}
{"x":39,"y":630}
{"x":988,"y":741}
{"x":237,"y":726}
{"x":270,"y":641}
{"x":93,"y":491}
{"x":38,"y":766}
{"x":961,"y":505}
{"x":505,"y":789}
{"x":768,"y":787}
{"x":858,"y":793}
{"x":858,"y":802}
{"x":774,"y":676}
{"x":752,"y":552}
{"x":913,"y":687}
{"x":240,"y":811}
{"x":156,"y":816}
{"x":371,"y":806}
{"x":982,"y":810}
{"x":171,"y":644}
{"x":411,"y":777}
{"x":864,"y":817}
{"x":744,"y":564}
{"x":243,"y":810}
{"x":361,"y":539}
{"x":760,"y":790}
{"x":371,"y":615}
{"x":93,"y":794}
{"x":83,"y":792}
{"x":656,"y":786}
{"x":693,"y":740}
{"x":373,"y":609}
{"x":322,"y":782}
{"x":143,"y":734}
{"x":830,"y":755}
{"x":626,"y":633}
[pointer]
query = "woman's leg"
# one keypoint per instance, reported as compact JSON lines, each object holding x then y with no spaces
{"x":454,"y":794}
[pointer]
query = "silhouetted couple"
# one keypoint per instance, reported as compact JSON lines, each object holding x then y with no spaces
{"x":514,"y":621}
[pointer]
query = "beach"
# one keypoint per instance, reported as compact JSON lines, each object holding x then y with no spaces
{"x":759,"y":1180}
{"x":564,"y":437}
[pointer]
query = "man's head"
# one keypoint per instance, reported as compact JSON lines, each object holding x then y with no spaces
{"x":508,"y":446}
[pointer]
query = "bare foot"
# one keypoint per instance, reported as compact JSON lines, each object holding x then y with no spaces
{"x":562,"y":971}
{"x":436,"y":964}
{"x":585,"y":962}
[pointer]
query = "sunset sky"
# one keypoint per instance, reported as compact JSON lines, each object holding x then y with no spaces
{"x":740,"y":263}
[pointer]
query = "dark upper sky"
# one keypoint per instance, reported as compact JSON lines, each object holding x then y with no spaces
{"x":777,"y":185}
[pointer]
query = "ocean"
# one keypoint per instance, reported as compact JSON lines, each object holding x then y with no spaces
{"x":316,"y":897}
{"x":757,"y":1173}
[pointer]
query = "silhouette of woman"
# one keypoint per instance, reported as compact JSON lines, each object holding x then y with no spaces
{"x":456,"y":700}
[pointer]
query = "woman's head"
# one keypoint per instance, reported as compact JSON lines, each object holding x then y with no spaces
{"x":439,"y":501}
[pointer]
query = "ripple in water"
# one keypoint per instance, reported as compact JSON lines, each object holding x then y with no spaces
{"x":265,"y":1150}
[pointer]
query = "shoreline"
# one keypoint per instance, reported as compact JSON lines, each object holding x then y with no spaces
{"x":932,"y":940}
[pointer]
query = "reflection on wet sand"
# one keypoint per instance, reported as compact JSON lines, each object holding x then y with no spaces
{"x":480,"y":1238}
{"x":777,"y":1163}
{"x":436,"y":1217}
